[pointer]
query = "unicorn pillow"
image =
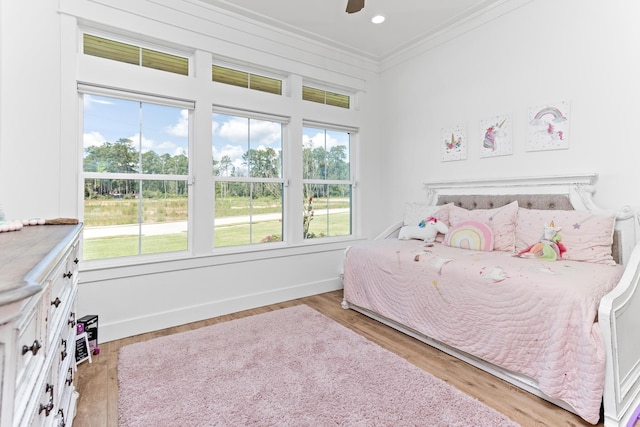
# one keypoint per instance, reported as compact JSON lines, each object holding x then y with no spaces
{"x":426,"y":230}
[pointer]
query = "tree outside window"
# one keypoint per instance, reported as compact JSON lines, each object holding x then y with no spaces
{"x":326,"y":183}
{"x":247,"y":169}
{"x":136,"y":175}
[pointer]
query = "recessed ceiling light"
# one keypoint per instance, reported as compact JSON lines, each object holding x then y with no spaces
{"x":378,"y":19}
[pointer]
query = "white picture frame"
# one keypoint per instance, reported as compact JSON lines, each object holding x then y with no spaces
{"x":495,"y":136}
{"x":548,"y":127}
{"x":453,"y":140}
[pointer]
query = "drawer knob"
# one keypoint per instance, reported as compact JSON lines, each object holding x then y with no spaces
{"x":75,"y":261}
{"x":33,"y":349}
{"x":56,"y":302}
{"x":67,"y":275}
{"x":69,"y":379}
{"x":61,"y":423}
{"x":72,"y":319}
{"x":49,"y":406}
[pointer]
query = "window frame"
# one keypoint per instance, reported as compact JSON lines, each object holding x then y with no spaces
{"x":85,"y":89}
{"x":353,"y":137}
{"x":282,"y":180}
{"x":143,"y":84}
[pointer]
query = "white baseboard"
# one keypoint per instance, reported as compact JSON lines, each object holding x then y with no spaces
{"x":135,"y":326}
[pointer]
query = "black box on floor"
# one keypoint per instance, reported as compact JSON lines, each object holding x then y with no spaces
{"x":90,"y":323}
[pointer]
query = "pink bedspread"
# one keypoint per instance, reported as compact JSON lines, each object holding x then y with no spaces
{"x":537,"y":318}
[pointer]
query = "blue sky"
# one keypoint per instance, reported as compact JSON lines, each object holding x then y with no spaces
{"x":165,"y":129}
{"x":230,"y":137}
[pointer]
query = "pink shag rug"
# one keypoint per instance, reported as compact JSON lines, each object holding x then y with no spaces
{"x":289,"y":367}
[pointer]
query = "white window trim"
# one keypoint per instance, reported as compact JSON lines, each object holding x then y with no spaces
{"x":86,"y":89}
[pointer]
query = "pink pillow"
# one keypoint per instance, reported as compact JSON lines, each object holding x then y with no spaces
{"x":473,"y":235}
{"x":443,"y":213}
{"x":586,"y":236}
{"x":502,"y":222}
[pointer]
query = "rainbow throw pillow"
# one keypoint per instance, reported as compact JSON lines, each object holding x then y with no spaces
{"x":473,"y":235}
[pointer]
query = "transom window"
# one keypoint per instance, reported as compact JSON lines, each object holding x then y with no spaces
{"x":325,"y":97}
{"x":131,"y":54}
{"x":245,"y":79}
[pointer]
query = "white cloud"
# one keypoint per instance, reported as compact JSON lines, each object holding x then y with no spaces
{"x":266,"y":133}
{"x":262,"y":132}
{"x":159,"y":147}
{"x":235,"y":153}
{"x":318,"y":140}
{"x":147,"y":144}
{"x":234,"y":130}
{"x":231,"y":138}
{"x":181,"y":128}
{"x":93,"y":139}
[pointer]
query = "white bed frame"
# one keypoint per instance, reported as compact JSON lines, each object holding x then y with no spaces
{"x":619,"y":311}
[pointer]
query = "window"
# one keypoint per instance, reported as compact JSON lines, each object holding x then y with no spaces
{"x":261,"y":183}
{"x":327,"y":182}
{"x":325,"y":97}
{"x":131,"y":54}
{"x":247,"y":169}
{"x":136,"y":175}
{"x":247,"y":80}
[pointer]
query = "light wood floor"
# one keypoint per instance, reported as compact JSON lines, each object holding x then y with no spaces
{"x":97,"y":382}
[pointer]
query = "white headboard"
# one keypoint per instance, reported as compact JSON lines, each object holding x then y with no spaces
{"x":545,"y":192}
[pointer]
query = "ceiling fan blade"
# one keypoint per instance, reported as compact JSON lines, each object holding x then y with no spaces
{"x":354,"y":6}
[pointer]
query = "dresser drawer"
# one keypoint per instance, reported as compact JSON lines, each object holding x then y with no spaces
{"x":37,"y":334}
{"x":73,"y":261}
{"x":30,"y":351}
{"x":61,"y":285}
{"x":64,"y":356}
{"x":42,"y":409}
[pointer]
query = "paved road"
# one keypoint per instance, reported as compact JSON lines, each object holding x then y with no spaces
{"x":156,"y":229}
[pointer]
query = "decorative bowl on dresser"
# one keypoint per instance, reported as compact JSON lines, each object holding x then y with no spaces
{"x":38,"y":288}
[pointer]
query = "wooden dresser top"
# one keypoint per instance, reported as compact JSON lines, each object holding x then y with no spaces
{"x":27,"y":255}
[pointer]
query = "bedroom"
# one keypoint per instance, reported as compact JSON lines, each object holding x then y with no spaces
{"x":538,"y":52}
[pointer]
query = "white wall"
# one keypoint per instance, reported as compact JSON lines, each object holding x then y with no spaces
{"x":40,"y":152}
{"x":582,"y":51}
{"x":576,"y":50}
{"x":30,"y":145}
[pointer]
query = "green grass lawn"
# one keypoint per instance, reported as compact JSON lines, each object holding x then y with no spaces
{"x":228,"y":235}
{"x":105,"y":212}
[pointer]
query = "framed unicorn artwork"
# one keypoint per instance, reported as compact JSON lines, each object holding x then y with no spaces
{"x":453,"y":141}
{"x":548,"y":127}
{"x":495,"y":136}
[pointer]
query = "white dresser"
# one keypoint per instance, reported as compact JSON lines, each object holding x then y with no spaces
{"x":38,"y":288}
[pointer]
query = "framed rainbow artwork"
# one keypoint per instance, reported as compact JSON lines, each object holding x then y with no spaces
{"x":548,"y":127}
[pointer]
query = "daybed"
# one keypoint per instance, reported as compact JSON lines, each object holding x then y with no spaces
{"x":567,"y":330}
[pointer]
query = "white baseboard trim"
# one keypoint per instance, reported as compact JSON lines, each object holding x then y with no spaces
{"x":157,"y":321}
